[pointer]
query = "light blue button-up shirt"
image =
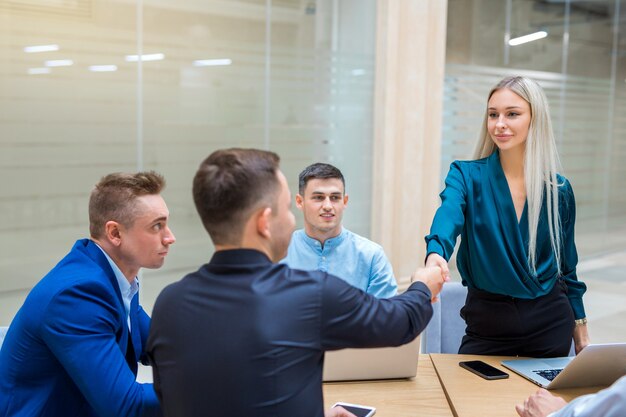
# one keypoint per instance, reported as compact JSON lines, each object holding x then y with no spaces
{"x":610,"y":402}
{"x":127,"y":289}
{"x":353,"y":258}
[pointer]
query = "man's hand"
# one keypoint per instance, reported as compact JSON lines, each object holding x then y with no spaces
{"x":338,"y":412}
{"x":540,"y":404}
{"x":432,"y":277}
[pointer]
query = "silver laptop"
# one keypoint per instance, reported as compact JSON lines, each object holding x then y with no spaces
{"x":377,"y":363}
{"x":596,"y":365}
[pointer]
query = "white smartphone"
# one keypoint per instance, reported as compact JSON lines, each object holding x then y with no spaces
{"x":357,"y":409}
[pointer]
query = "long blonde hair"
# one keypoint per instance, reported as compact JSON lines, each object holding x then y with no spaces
{"x":541,"y":162}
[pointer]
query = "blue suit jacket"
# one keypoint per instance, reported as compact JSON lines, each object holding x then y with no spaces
{"x":68,"y":351}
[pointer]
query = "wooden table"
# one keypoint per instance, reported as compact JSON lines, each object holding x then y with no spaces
{"x":422,"y":395}
{"x":441,"y":389}
{"x":471,"y":395}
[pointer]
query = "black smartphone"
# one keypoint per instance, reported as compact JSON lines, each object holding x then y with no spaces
{"x":484,"y":370}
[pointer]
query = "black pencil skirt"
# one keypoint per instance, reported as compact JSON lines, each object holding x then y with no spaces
{"x":503,"y":325}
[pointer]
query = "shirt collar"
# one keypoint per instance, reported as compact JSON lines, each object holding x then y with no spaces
{"x":329,"y":243}
{"x":239,"y":256}
{"x":127,"y":289}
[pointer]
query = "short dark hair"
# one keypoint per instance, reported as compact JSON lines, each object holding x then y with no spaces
{"x":229,"y":185}
{"x":114,"y":198}
{"x":319,"y":170}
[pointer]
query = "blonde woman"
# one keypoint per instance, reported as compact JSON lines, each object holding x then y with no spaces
{"x":516,"y":217}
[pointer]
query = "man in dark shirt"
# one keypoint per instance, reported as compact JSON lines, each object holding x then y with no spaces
{"x":244,"y":336}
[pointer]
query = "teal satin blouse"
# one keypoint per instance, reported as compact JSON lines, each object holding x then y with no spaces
{"x":477,"y":204}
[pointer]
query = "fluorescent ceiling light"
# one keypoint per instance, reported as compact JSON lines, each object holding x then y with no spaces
{"x":358,"y":71}
{"x":103,"y":68}
{"x":145,"y":57}
{"x":59,"y":63}
{"x":35,"y":71}
{"x":528,"y":38}
{"x":212,"y":62}
{"x":41,"y":48}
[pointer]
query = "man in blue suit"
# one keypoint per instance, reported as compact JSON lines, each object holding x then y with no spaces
{"x":73,"y":347}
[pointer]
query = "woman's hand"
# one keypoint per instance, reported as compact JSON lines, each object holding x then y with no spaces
{"x":581,"y":338}
{"x":435,"y":259}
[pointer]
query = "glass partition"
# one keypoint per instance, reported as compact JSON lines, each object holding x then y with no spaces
{"x":88,"y":88}
{"x":67,"y":105}
{"x":580,"y":62}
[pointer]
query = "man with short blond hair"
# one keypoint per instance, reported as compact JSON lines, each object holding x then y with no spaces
{"x":73,"y":347}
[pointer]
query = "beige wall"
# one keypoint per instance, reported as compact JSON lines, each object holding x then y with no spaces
{"x":410,"y":66}
{"x":300,"y":83}
{"x":61,"y":131}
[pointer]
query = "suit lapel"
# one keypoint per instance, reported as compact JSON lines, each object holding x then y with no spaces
{"x":129,"y":343}
{"x":130,"y":355}
{"x":95,"y":253}
{"x":134,"y":323}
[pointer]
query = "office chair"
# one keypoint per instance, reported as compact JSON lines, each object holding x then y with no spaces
{"x":3,"y":331}
{"x":446,"y":329}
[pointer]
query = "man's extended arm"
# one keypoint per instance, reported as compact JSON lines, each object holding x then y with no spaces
{"x":352,"y":318}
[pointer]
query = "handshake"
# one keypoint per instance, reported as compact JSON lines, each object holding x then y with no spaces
{"x":434,"y":274}
{"x":434,"y":278}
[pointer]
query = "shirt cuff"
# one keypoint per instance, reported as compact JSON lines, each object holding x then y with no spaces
{"x":578,"y":308}
{"x":434,"y":246}
{"x":420,"y":286}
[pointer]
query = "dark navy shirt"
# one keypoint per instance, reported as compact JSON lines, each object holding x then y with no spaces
{"x":243,"y":336}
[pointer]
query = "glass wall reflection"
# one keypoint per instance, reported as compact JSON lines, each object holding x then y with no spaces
{"x":581,"y":63}
{"x":67,"y":116}
{"x":114,"y":87}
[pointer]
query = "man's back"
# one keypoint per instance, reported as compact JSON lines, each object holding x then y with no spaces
{"x":245,"y":337}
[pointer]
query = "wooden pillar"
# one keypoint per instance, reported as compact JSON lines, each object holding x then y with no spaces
{"x":410,"y":62}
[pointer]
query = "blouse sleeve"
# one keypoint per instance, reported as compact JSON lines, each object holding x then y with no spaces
{"x":450,"y":217}
{"x":569,"y":255}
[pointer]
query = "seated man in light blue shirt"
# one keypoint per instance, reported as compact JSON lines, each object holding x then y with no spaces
{"x":325,"y":245}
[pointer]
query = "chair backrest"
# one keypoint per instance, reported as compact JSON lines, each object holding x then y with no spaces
{"x":446,"y":328}
{"x":3,"y":331}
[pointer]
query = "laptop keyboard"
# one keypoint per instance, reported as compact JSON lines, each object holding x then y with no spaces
{"x":548,"y":374}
